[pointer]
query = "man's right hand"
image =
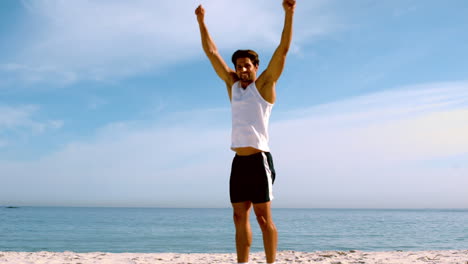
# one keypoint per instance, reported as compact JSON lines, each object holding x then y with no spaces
{"x":200,"y":12}
{"x":289,"y":5}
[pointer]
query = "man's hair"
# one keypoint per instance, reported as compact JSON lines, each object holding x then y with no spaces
{"x":252,"y":55}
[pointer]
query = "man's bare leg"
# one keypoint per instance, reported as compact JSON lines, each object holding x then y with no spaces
{"x":270,"y":234}
{"x":243,"y":230}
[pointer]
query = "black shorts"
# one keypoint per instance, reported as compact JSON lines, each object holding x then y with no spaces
{"x":252,"y":178}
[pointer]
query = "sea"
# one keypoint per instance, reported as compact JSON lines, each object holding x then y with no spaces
{"x":155,"y":230}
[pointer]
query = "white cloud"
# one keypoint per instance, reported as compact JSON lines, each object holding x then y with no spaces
{"x":412,"y":123}
{"x":31,"y":74}
{"x":103,"y":40}
{"x":402,"y":148}
{"x":378,"y":150}
{"x":22,"y":120}
{"x":126,"y":166}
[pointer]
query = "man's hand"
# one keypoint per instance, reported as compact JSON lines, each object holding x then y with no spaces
{"x":289,"y":5}
{"x":200,"y":12}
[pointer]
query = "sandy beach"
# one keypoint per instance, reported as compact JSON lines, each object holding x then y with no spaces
{"x":330,"y":257}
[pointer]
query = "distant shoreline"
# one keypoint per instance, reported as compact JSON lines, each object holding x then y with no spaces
{"x":217,"y":208}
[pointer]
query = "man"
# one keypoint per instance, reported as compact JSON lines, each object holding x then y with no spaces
{"x":252,"y":99}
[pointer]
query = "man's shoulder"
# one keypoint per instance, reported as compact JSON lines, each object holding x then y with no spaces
{"x":266,"y":87}
{"x":264,"y":81}
{"x":232,"y":79}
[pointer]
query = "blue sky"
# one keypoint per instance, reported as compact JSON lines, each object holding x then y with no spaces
{"x":112,"y":103}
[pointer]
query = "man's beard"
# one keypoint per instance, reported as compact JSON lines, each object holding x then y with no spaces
{"x":245,"y":77}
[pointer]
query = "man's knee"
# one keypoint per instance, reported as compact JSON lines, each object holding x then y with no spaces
{"x":263,"y":214}
{"x":265,"y":223}
{"x":240,"y":217}
{"x":241,"y":213}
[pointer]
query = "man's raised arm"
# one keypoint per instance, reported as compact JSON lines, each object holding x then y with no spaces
{"x":219,"y":65}
{"x":277,"y":62}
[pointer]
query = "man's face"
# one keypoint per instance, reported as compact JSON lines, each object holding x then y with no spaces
{"x":246,"y":70}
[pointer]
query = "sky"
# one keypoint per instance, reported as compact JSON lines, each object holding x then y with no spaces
{"x":114,"y":103}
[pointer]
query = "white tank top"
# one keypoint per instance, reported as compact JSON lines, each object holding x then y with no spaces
{"x":250,"y":118}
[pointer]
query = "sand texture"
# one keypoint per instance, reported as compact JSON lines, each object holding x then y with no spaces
{"x":330,"y":257}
